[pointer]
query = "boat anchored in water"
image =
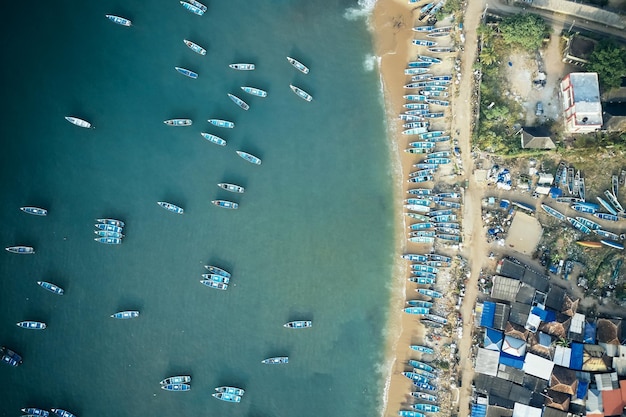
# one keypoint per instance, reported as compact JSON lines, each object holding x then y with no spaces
{"x":226,"y":204}
{"x":34,"y":210}
{"x":254,"y":91}
{"x":78,"y":122}
{"x":195,"y":47}
{"x":233,"y":188}
{"x":31,"y":411}
{"x":119,"y":20}
{"x":277,"y":360}
{"x":298,"y":324}
{"x":216,"y":270}
{"x":225,"y":396}
{"x":22,"y":250}
{"x":128,"y":314}
{"x":112,"y":222}
{"x":192,"y":8}
{"x":178,"y":122}
{"x":51,"y":287}
{"x":222,"y":123}
{"x":249,"y":157}
{"x":180,"y":379}
{"x":62,"y":413}
{"x":171,"y":207}
{"x":32,"y":325}
{"x":187,"y":72}
{"x":10,"y":357}
{"x":109,"y":240}
{"x":214,"y":284}
{"x":230,"y":390}
{"x":213,"y":139}
{"x":216,"y":278}
{"x":301,"y":93}
{"x":176,"y":387}
{"x":238,"y":101}
{"x":242,"y":67}
{"x":298,"y":65}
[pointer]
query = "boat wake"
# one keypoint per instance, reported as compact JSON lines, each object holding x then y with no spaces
{"x":364,"y":10}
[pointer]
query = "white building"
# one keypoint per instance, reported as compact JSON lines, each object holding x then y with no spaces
{"x":580,"y":95}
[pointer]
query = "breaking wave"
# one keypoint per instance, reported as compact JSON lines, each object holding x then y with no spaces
{"x":364,"y":9}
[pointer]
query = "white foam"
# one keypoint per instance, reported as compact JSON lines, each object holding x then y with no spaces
{"x":364,"y":10}
{"x":370,"y":62}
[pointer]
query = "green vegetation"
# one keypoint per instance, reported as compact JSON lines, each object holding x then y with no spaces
{"x":524,"y":31}
{"x":451,"y":7}
{"x":609,"y":61}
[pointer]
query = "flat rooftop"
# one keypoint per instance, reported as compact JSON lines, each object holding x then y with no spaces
{"x":586,"y":93}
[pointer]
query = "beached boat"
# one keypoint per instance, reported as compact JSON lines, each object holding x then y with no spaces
{"x":176,"y":387}
{"x":436,"y":161}
{"x":277,"y":360}
{"x":254,"y":91}
{"x":424,"y":28}
{"x":615,"y":185}
{"x":442,"y":78}
{"x":180,"y":379}
{"x":613,"y":200}
{"x":569,"y":200}
{"x":424,"y":396}
{"x":589,"y":223}
{"x":62,"y":413}
{"x":226,"y":204}
{"x":431,"y":135}
{"x":171,"y":207}
{"x":435,"y":102}
{"x":108,"y":227}
{"x":213,"y":139}
{"x":424,"y":274}
{"x":430,"y":408}
{"x":440,"y":49}
{"x":612,"y":244}
{"x":417,"y":216}
{"x":578,"y":225}
{"x":109,"y":240}
{"x":413,"y":125}
{"x":298,"y":324}
{"x":34,"y":210}
{"x":422,"y":280}
{"x":436,"y":318}
{"x":584,"y":208}
{"x":430,"y":93}
{"x":187,"y":72}
{"x":437,"y":34}
{"x":298,"y":65}
{"x":301,"y":93}
{"x":423,"y":372}
{"x":422,"y":349}
{"x":415,"y":131}
{"x":443,"y":212}
{"x":78,"y":122}
{"x":424,"y":268}
{"x":119,"y":20}
{"x":428,"y":87}
{"x":198,"y":5}
{"x":422,"y":173}
{"x":419,"y":303}
{"x":430,"y":59}
{"x":406,"y":413}
{"x":31,"y":411}
{"x":51,"y":287}
{"x":10,"y":357}
{"x":416,"y":70}
{"x":426,"y":178}
{"x":581,"y":189}
{"x":106,"y":233}
{"x":112,"y":222}
{"x":421,"y":77}
{"x":420,"y":191}
{"x":429,"y":293}
{"x":195,"y":47}
{"x":416,"y":150}
{"x":233,"y":188}
{"x":224,"y":396}
{"x":216,"y":278}
{"x":178,"y":122}
{"x":607,"y":216}
{"x":238,"y":101}
{"x":124,"y":315}
{"x":230,"y":390}
{"x":215,"y":285}
{"x":32,"y":325}
{"x":242,"y":67}
{"x":606,"y":234}
{"x":552,"y":212}
{"x":607,"y":206}
{"x":193,"y":9}
{"x":216,"y":270}
{"x":443,"y":218}
{"x":413,"y":257}
{"x":22,"y":250}
{"x":222,"y":123}
{"x":249,"y":157}
{"x":422,"y":226}
{"x":421,"y":366}
{"x":589,"y":244}
{"x":415,"y":377}
{"x":422,"y":239}
{"x":421,"y":42}
{"x":435,"y":115}
{"x":422,"y":233}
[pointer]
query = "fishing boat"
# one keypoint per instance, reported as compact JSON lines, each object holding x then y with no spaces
{"x":109,"y":240}
{"x":431,"y":93}
{"x":195,"y":47}
{"x":108,"y":227}
{"x":254,"y":91}
{"x":198,"y":5}
{"x":424,"y":268}
{"x":10,"y":357}
{"x":193,"y":9}
{"x":422,"y":173}
{"x":62,"y":413}
{"x":422,"y":233}
{"x":431,"y":135}
{"x":569,"y":200}
{"x":424,"y":274}
{"x":430,"y":408}
{"x":420,"y":191}
{"x":419,"y":106}
{"x":589,"y":244}
{"x":414,"y":85}
{"x":277,"y":360}
{"x":413,"y":125}
{"x":415,"y":257}
{"x":106,"y":233}
{"x":238,"y":101}
{"x":187,"y":72}
{"x":523,"y":206}
{"x":416,"y":150}
{"x":607,"y":206}
{"x":607,"y":216}
{"x":112,"y":222}
{"x":216,"y":278}
{"x":233,"y":188}
{"x":421,"y":202}
{"x":613,"y":200}
{"x":406,"y":413}
{"x":416,"y":70}
{"x":442,"y":29}
{"x":178,"y":122}
{"x":249,"y":157}
{"x":552,"y":212}
{"x":583,"y":208}
{"x":443,"y":212}
{"x":242,"y":67}
{"x":225,"y":396}
{"x":570,"y":180}
{"x":450,"y":225}
{"x":581,"y":189}
{"x":428,"y":87}
{"x":429,"y":293}
{"x":215,"y":285}
{"x":424,"y":396}
{"x":35,"y":412}
{"x":437,"y":161}
{"x":213,"y":139}
{"x":417,"y":216}
{"x":416,"y":377}
{"x":421,"y":77}
{"x":421,"y":366}
{"x":612,"y":244}
{"x":589,"y":223}
{"x":430,"y":59}
{"x":451,"y":194}
{"x":419,"y":64}
{"x":451,"y":204}
{"x":298,"y":65}
{"x":419,"y":303}
{"x":422,"y":280}
{"x":298,"y":324}
{"x":230,"y":390}
{"x":615,"y":185}
{"x":436,"y":318}
{"x":216,"y":270}
{"x":78,"y":122}
{"x":422,"y":349}
{"x":426,"y":178}
{"x":415,"y":131}
{"x":51,"y":287}
{"x":422,"y":226}
{"x":435,"y":115}
{"x":443,"y":218}
{"x":437,"y":34}
{"x":226,"y":204}
{"x":425,"y":387}
{"x":32,"y":325}
{"x":607,"y":234}
{"x":440,"y":49}
{"x":222,"y":123}
{"x":22,"y":250}
{"x":421,"y":42}
{"x":423,"y":372}
{"x":301,"y":93}
{"x":443,"y":103}
{"x":424,"y":28}
{"x":176,"y":387}
{"x":181,"y":379}
{"x":578,"y":225}
{"x":34,"y":211}
{"x":171,"y":207}
{"x":124,"y":315}
{"x":119,"y":20}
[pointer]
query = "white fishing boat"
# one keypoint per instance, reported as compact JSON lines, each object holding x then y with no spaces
{"x":301,"y":93}
{"x":242,"y":67}
{"x":233,"y":188}
{"x":298,"y":65}
{"x":119,"y":20}
{"x":195,"y":47}
{"x":213,"y":139}
{"x":222,"y":123}
{"x":238,"y":101}
{"x":78,"y":122}
{"x":254,"y":91}
{"x":178,"y":122}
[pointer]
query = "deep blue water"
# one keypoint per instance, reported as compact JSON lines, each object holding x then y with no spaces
{"x":312,"y":239}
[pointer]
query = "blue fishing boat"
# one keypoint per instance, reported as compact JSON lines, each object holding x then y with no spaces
{"x":430,"y":59}
{"x":435,"y":115}
{"x":583,"y":208}
{"x":414,"y":257}
{"x":607,"y":235}
{"x":422,"y":280}
{"x":195,"y":47}
{"x":239,"y":101}
{"x":32,"y":325}
{"x":422,"y":349}
{"x":417,"y":207}
{"x":198,"y":5}
{"x":108,"y":227}
{"x":176,"y":387}
{"x":429,"y":293}
{"x":419,"y":303}
{"x":426,"y":407}
{"x":607,"y":206}
{"x":612,"y":244}
{"x":249,"y":157}
{"x":104,"y":233}
{"x":178,"y":122}
{"x":113,"y":222}
{"x":10,"y":357}
{"x":421,"y":226}
{"x":298,"y":324}
{"x":423,"y":165}
{"x":423,"y":10}
{"x":420,"y":191}
{"x":451,"y":204}
{"x":444,"y":212}
{"x":109,"y":240}
{"x":415,"y":85}
{"x":424,"y":274}
{"x":301,"y":93}
{"x":451,"y":238}
{"x":416,"y":216}
{"x":421,"y":77}
{"x":36,"y":211}
{"x":437,"y":161}
{"x":416,"y":71}
{"x":442,"y":78}
{"x":230,"y":390}
{"x":554,"y":213}
{"x":119,"y":20}
{"x":187,"y":72}
{"x":21,"y":250}
{"x":419,"y":201}
{"x":406,"y":413}
{"x":412,"y":125}
{"x":424,"y":396}
{"x":51,"y":287}
{"x":181,"y":379}
{"x":421,"y":42}
{"x":35,"y":412}
{"x":216,"y":270}
{"x":447,"y":231}
{"x":254,"y":91}
{"x":416,"y":377}
{"x":607,"y":216}
{"x":422,"y":366}
{"x":435,"y":83}
{"x":214,"y":285}
{"x":125,"y":315}
{"x":444,"y":154}
{"x":422,"y":239}
{"x":419,"y":106}
{"x":419,"y":64}
{"x":436,"y":102}
{"x":425,"y":387}
{"x":62,"y":413}
{"x":438,"y":139}
{"x":415,"y":131}
{"x":422,"y":173}
{"x":224,"y":396}
{"x":422,"y":145}
{"x":431,"y":93}
{"x":242,"y":67}
{"x":76,"y":121}
{"x":216,"y":278}
{"x":578,"y":225}
{"x":589,"y":223}
{"x":428,"y":87}
{"x":416,"y":310}
{"x":436,"y":318}
{"x":298,"y":65}
{"x":222,"y":123}
{"x":450,"y":225}
{"x":213,"y":139}
{"x":425,"y":373}
{"x":170,"y":207}
{"x":421,"y":179}
{"x":431,"y":135}
{"x":226,"y":204}
{"x":277,"y":360}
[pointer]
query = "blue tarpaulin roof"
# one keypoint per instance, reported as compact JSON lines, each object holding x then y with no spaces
{"x":516,"y":362}
{"x":576,"y":359}
{"x":581,"y":391}
{"x":489,"y":312}
{"x":556,"y":192}
{"x":545,"y":315}
{"x":493,"y":339}
{"x":479,"y":410}
{"x":590,"y":333}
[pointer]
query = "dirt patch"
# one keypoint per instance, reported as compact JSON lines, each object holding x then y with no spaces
{"x":524,"y":234}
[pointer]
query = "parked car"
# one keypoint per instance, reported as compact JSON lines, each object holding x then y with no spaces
{"x":539,"y":109}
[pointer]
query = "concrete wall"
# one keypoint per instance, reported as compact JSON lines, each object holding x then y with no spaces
{"x":582,"y":11}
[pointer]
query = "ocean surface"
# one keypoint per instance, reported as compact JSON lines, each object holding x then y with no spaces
{"x":312,"y":239}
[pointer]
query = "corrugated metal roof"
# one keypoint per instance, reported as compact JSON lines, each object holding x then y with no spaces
{"x":522,"y":410}
{"x":562,"y":356}
{"x":576,"y":360}
{"x":538,"y":366}
{"x":488,"y":314}
{"x":612,"y":401}
{"x":487,"y":362}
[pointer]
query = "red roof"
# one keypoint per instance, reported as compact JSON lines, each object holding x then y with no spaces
{"x":612,"y":401}
{"x":622,"y":388}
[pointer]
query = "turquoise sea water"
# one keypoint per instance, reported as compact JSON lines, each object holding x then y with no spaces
{"x":312,"y":238}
